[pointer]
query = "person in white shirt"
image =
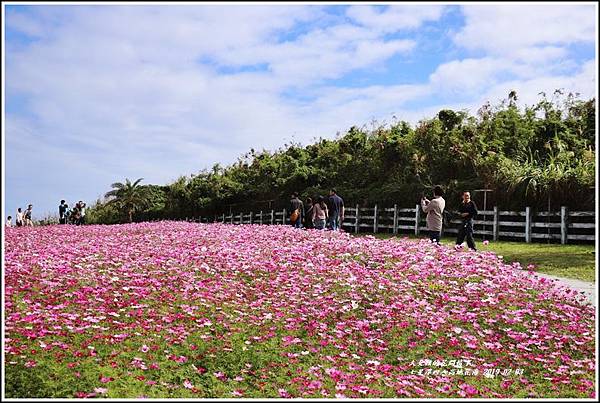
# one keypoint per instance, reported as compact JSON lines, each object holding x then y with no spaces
{"x":9,"y":221}
{"x":19,"y":217}
{"x":81,"y":212}
{"x":435,"y":211}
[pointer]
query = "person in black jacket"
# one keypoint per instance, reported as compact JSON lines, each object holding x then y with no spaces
{"x":308,"y":219}
{"x":467,"y":211}
{"x":62,"y":209}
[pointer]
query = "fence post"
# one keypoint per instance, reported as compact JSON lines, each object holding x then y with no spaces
{"x":261,"y":217}
{"x":251,"y":217}
{"x":223,"y":218}
{"x":283,"y":218}
{"x":395,"y":218}
{"x":241,"y":218}
{"x":563,"y":225}
{"x":200,"y":219}
{"x":357,"y":220}
{"x":417,"y":219}
{"x":272,"y":217}
{"x":496,"y":228}
{"x":527,"y":225}
{"x":375,"y":219}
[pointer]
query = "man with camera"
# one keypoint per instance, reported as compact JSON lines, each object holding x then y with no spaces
{"x":435,"y":210}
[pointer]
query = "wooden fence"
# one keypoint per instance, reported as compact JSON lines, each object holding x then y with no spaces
{"x":492,"y":224}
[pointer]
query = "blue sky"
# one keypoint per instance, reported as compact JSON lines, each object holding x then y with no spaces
{"x":99,"y":93}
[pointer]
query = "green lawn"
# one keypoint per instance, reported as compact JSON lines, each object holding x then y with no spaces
{"x":573,"y":261}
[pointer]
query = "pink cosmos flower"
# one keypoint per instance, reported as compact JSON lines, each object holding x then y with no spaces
{"x":469,"y":390}
{"x":220,"y":376}
{"x":110,"y":281}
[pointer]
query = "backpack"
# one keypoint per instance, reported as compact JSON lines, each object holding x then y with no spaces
{"x":295,"y":215}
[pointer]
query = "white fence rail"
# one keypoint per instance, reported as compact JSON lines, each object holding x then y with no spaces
{"x":494,"y":224}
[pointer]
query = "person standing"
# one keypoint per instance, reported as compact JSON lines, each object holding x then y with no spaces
{"x":467,"y":210}
{"x":435,"y":211}
{"x":67,"y":214}
{"x":308,"y":219}
{"x":62,"y":209}
{"x":81,"y":212}
{"x":296,"y":211}
{"x":9,"y":221}
{"x":28,"y":222}
{"x":75,"y":214}
{"x":336,"y":210}
{"x":320,"y":213}
{"x":19,"y":218}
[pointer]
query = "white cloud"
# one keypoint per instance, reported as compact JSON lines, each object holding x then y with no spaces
{"x":515,"y":43}
{"x":583,"y":82}
{"x":396,"y":18}
{"x":505,"y":28}
{"x":538,"y":55}
{"x":136,"y":91}
{"x":467,"y":76}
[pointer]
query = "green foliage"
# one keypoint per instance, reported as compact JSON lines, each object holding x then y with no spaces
{"x":127,"y":197}
{"x":528,"y":156}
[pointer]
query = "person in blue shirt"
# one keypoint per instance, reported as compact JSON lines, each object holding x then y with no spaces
{"x":336,"y":210}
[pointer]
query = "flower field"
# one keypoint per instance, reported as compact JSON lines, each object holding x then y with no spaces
{"x":177,"y":309}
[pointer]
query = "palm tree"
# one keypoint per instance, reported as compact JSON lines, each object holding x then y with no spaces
{"x":128,"y":196}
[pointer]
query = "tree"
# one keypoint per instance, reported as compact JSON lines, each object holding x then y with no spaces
{"x":128,"y":197}
{"x":529,"y":155}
